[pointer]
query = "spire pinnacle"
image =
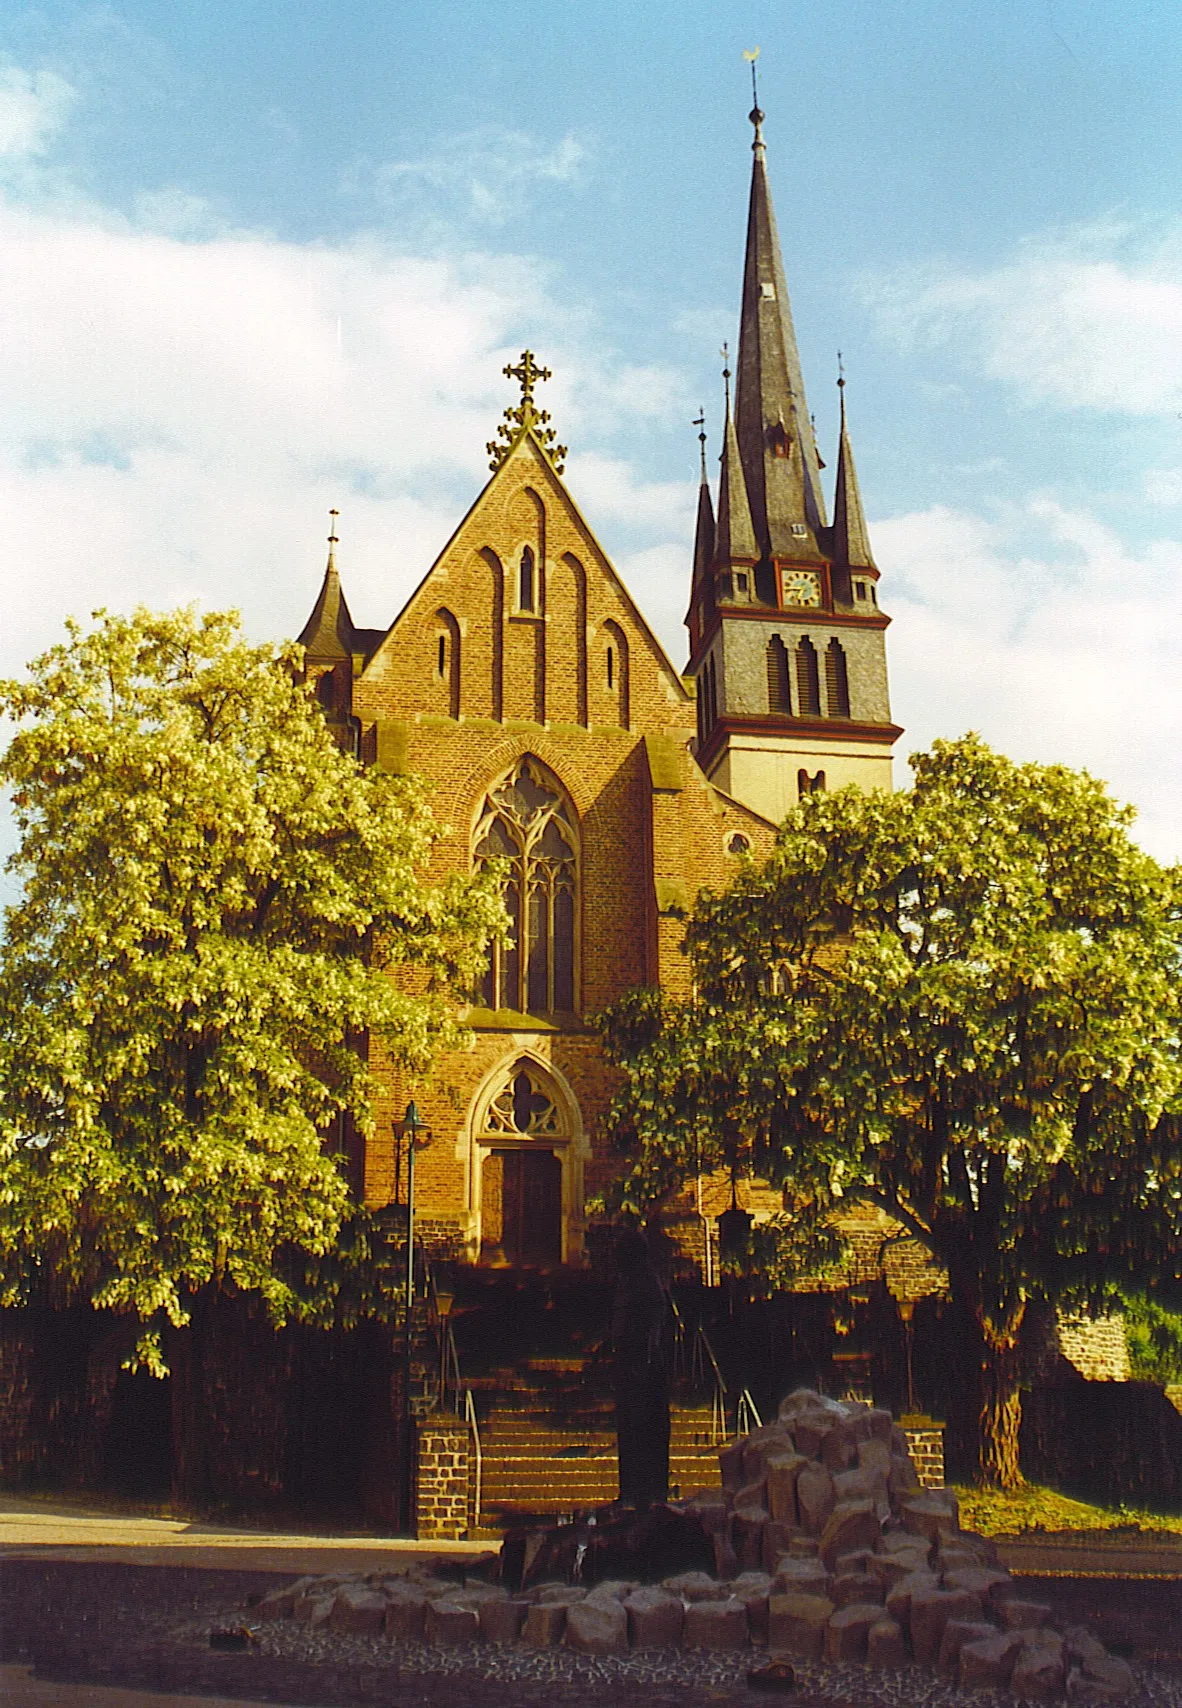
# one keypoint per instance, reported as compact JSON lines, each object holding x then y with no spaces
{"x":329,"y":633}
{"x":704,"y":534}
{"x":735,"y":536}
{"x":851,"y":538}
{"x":775,"y":434}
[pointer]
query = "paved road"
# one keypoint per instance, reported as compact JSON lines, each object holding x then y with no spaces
{"x":32,"y":1528}
{"x":19,"y":1689}
{"x":1104,"y":1554}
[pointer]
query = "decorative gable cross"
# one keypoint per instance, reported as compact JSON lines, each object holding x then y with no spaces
{"x":525,"y":417}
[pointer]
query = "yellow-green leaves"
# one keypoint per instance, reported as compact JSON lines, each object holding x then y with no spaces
{"x":212,"y":893}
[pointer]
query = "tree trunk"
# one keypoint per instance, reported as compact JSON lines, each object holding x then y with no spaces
{"x":185,"y":1350}
{"x":1001,"y":1399}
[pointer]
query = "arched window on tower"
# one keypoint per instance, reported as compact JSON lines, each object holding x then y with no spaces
{"x":528,"y":822}
{"x":806,"y":785}
{"x":779,"y":693}
{"x":837,"y":684}
{"x":808,"y":687}
{"x":526,"y":592}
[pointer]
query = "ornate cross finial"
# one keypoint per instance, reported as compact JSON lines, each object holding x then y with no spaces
{"x":525,"y":416}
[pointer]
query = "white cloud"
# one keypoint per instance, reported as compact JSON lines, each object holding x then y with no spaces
{"x":1043,"y":632}
{"x":1089,"y":319}
{"x":488,"y":175}
{"x":177,"y":417}
{"x":34,"y":105}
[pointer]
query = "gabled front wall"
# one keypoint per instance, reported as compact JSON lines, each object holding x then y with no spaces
{"x":465,"y":686}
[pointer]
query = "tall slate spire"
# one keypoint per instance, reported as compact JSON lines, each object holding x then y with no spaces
{"x":851,"y":539}
{"x":775,"y":433}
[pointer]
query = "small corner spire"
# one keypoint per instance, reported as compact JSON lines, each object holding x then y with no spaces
{"x":704,"y":531}
{"x":851,"y":537}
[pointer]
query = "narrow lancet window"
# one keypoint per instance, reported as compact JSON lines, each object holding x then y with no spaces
{"x":525,"y":589}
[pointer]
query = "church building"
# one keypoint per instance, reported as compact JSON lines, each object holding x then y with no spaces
{"x":523,"y":683}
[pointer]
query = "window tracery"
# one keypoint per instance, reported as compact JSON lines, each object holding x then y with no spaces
{"x":528,"y":822}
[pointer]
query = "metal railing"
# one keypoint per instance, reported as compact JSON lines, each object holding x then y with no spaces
{"x":477,"y":1456}
{"x":702,"y":1352}
{"x":747,"y":1415}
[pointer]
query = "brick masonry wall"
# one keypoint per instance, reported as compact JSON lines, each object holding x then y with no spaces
{"x":463,"y":687}
{"x":926,"y":1446}
{"x":1096,"y":1346}
{"x":442,"y":1480}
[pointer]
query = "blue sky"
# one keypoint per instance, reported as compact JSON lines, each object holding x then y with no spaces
{"x":264,"y":259}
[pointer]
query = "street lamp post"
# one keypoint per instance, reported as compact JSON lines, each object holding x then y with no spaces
{"x":417,"y":1134}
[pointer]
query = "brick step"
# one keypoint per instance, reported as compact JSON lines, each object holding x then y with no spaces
{"x":518,"y":1488}
{"x":574,"y":1437}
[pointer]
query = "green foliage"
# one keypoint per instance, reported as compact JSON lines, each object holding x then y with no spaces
{"x":958,"y":1003}
{"x":1154,"y":1336}
{"x":214,"y":897}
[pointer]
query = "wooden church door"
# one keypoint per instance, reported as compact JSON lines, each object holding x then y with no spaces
{"x":521,"y":1183}
{"x":522,"y":1207}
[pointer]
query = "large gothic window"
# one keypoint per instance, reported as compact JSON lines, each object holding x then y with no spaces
{"x":528,"y":822}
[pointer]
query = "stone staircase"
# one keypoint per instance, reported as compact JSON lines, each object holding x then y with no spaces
{"x":548,"y":1446}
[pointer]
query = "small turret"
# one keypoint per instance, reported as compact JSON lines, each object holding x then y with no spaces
{"x":701,"y":586}
{"x":851,"y":540}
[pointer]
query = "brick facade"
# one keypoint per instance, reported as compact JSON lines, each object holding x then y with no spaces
{"x":521,"y":645}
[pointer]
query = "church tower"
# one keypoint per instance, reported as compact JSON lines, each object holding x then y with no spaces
{"x":787,"y":641}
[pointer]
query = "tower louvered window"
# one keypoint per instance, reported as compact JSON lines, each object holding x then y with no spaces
{"x":779,"y":693}
{"x":528,"y":822}
{"x":808,"y":686}
{"x":837,"y":685}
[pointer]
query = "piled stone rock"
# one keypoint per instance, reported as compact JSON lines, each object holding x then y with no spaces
{"x":869,"y":1567}
{"x":825,"y":1549}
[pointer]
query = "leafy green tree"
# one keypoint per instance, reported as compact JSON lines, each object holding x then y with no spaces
{"x":215,"y":899}
{"x":1154,"y":1335}
{"x":959,"y":1003}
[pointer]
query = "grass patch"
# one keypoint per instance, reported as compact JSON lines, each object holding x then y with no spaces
{"x":995,"y":1512}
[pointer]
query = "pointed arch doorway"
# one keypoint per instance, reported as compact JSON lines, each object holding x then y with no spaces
{"x":525,"y":1163}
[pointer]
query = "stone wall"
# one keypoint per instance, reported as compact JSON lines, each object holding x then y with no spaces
{"x":1096,"y":1346}
{"x":442,"y":1478}
{"x":925,"y":1443}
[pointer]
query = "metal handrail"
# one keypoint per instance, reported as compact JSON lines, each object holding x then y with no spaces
{"x":470,"y":1420}
{"x":718,"y":1399}
{"x":745,"y":1411}
{"x":451,"y":1363}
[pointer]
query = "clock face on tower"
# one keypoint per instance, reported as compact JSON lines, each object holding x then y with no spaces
{"x":801,"y":587}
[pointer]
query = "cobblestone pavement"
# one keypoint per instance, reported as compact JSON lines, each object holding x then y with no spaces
{"x":112,"y":1611}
